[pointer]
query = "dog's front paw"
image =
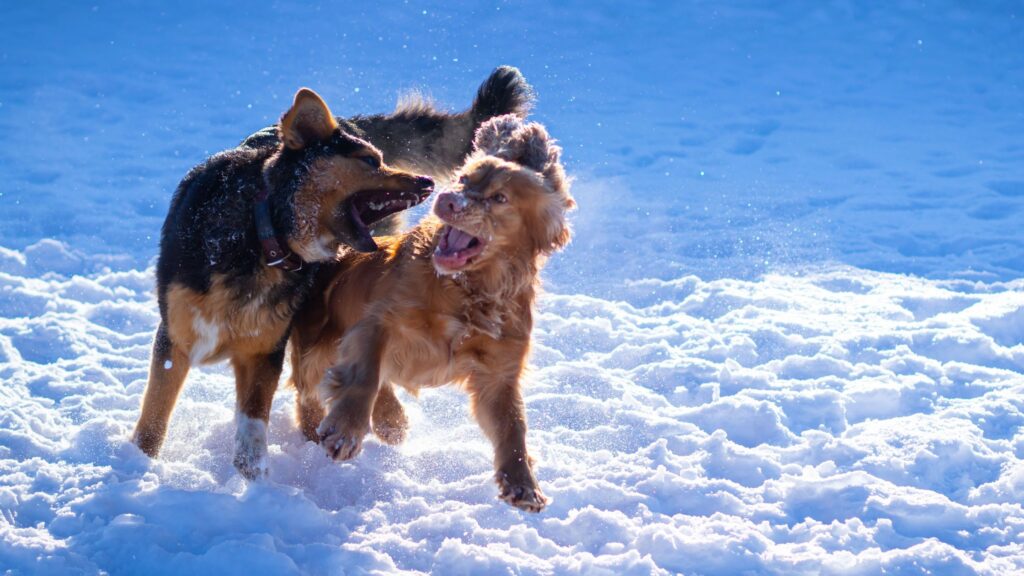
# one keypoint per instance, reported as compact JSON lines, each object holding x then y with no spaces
{"x":251,"y":448}
{"x":340,"y":436}
{"x":525,"y":495}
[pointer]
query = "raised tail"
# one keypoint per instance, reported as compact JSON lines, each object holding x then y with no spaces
{"x":504,"y":92}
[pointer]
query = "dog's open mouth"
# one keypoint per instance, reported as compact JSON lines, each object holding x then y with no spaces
{"x":368,"y":207}
{"x":456,"y":249}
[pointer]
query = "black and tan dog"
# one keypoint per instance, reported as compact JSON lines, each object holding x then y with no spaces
{"x":246,"y":229}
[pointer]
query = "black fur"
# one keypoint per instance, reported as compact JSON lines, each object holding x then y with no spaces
{"x":210,"y":227}
{"x":504,"y":92}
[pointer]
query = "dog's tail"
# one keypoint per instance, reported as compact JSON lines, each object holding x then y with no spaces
{"x":420,"y":138}
{"x":504,"y":92}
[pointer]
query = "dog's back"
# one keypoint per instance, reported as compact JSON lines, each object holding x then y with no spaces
{"x":420,"y":138}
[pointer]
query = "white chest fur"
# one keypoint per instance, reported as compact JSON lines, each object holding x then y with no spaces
{"x":207,"y":336}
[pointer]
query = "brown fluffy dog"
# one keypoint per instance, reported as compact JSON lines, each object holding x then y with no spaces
{"x":450,"y":301}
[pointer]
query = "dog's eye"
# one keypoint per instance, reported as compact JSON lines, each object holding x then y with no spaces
{"x":499,"y":199}
{"x":371,"y":161}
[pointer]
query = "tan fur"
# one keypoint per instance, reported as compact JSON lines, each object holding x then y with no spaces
{"x":167,"y":371}
{"x":390,"y":319}
{"x":332,"y":180}
{"x":245,"y":327}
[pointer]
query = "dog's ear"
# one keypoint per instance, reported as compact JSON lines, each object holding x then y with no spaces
{"x":509,"y":138}
{"x":563,"y":238}
{"x":309,"y":120}
{"x":562,"y":200}
{"x":494,"y":136}
{"x":535,"y":148}
{"x":558,"y":231}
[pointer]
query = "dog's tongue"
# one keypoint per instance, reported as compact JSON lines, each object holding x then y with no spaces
{"x":456,"y":240}
{"x":361,"y":239}
{"x":456,"y":249}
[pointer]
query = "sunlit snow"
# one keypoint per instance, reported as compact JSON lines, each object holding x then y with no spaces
{"x":786,"y":339}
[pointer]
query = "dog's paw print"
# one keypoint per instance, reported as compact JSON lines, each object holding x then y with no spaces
{"x":524,"y":495}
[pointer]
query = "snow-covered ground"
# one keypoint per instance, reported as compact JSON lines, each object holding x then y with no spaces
{"x":787,"y":337}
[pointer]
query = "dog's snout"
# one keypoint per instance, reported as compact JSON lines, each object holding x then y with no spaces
{"x":425,"y":187}
{"x":424,"y":182}
{"x":449,"y":204}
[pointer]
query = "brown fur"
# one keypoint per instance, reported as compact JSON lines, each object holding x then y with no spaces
{"x":392,"y":318}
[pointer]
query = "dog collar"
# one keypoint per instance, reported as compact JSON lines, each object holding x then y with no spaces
{"x":274,"y":255}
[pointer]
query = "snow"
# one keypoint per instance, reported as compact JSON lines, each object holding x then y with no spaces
{"x":788,"y":336}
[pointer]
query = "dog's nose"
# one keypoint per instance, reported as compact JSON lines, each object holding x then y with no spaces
{"x":449,"y":204}
{"x":424,"y":182}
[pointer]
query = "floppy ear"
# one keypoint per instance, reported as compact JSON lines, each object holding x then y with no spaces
{"x":557,"y":230}
{"x":309,"y":120}
{"x":493,"y":137}
{"x":562,"y":238}
{"x":509,"y":138}
{"x":536,"y":149}
{"x":554,"y":174}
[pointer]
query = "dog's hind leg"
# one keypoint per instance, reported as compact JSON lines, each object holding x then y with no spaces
{"x":350,"y":391}
{"x":167,"y":371}
{"x":305,"y":378}
{"x":390,"y":423}
{"x":310,"y":414}
{"x":256,"y":379}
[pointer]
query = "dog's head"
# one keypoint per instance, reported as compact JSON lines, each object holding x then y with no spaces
{"x":510,"y":199}
{"x":339,"y":184}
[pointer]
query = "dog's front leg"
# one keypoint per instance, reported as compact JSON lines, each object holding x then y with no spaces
{"x":498,"y":406}
{"x":350,"y":389}
{"x":255,"y":382}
